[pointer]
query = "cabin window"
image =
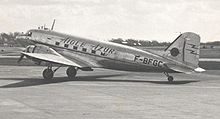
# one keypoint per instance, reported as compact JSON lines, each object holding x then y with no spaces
{"x":66,"y":45}
{"x":57,"y":43}
{"x":102,"y":53}
{"x":75,"y":47}
{"x":84,"y":49}
{"x":93,"y":51}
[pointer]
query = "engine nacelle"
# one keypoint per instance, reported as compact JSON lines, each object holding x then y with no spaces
{"x":39,"y":49}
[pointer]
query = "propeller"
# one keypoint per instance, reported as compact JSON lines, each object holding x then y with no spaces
{"x":21,"y":57}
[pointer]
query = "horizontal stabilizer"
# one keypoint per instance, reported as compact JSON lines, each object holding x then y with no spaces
{"x":199,"y":69}
{"x":184,"y":69}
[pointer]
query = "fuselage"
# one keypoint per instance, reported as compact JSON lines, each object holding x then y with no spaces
{"x":101,"y":54}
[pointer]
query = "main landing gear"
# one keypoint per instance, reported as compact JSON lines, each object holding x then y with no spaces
{"x":71,"y":72}
{"x":48,"y":73}
{"x":169,"y":78}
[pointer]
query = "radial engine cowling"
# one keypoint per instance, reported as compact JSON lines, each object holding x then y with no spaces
{"x":38,"y":49}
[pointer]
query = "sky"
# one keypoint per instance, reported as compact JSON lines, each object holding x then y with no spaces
{"x":161,"y":20}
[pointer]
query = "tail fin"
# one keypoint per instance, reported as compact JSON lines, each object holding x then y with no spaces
{"x":185,"y":49}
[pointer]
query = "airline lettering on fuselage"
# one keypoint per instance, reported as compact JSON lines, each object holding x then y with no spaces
{"x":104,"y":50}
{"x":71,"y":42}
{"x":154,"y":62}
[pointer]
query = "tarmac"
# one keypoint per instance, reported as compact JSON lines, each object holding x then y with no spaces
{"x":107,"y":94}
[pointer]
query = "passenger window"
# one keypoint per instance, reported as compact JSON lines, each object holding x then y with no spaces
{"x":57,"y":43}
{"x":75,"y":47}
{"x":84,"y":49}
{"x":102,"y":53}
{"x":66,"y":45}
{"x":93,"y":51}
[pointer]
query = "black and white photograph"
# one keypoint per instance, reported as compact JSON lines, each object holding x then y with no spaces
{"x":109,"y":59}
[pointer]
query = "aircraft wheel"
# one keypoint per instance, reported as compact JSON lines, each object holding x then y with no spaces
{"x":170,"y":79}
{"x":48,"y":74}
{"x":71,"y":72}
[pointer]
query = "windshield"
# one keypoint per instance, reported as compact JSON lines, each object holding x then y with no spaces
{"x":29,"y":33}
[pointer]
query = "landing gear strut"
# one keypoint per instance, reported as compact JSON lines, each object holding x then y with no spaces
{"x":71,"y":72}
{"x":169,"y":78}
{"x":48,"y":73}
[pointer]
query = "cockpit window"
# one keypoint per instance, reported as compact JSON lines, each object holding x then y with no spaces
{"x":29,"y":33}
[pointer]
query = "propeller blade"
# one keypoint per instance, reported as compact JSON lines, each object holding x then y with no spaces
{"x":21,"y":57}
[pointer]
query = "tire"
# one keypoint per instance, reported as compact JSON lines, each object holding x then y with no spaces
{"x":48,"y":74}
{"x":170,"y":79}
{"x":71,"y":72}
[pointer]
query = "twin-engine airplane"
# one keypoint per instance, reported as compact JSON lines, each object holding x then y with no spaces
{"x":84,"y":54}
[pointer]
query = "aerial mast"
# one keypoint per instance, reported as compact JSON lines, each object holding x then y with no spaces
{"x":53,"y":24}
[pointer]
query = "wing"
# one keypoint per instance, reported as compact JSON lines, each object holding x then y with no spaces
{"x":52,"y":58}
{"x":47,"y":54}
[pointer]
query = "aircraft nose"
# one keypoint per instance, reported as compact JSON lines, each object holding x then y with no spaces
{"x":21,"y":36}
{"x":23,"y":39}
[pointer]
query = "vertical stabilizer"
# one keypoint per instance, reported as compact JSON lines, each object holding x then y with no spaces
{"x":185,"y":48}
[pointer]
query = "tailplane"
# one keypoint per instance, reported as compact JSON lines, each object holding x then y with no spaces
{"x":185,"y":49}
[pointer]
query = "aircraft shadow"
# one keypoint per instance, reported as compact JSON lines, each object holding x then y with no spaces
{"x":26,"y":82}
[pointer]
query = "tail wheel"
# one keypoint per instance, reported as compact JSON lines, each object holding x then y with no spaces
{"x":170,"y":78}
{"x":48,"y":73}
{"x":71,"y":72}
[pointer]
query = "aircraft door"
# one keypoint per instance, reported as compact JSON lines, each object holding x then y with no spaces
{"x":124,"y":56}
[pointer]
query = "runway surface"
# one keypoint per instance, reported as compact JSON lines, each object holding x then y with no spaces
{"x":107,"y":94}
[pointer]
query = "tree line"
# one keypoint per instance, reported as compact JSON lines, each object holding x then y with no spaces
{"x":134,"y":42}
{"x":9,"y":39}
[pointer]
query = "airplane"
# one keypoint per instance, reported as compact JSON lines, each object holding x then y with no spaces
{"x":76,"y":53}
